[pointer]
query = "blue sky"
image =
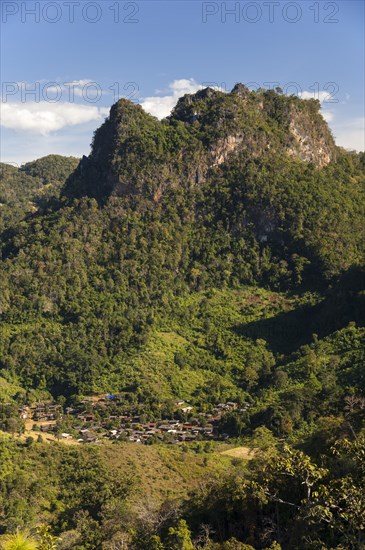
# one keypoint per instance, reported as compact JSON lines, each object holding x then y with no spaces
{"x":153,"y":52}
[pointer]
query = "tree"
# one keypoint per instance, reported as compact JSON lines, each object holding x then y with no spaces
{"x":180,"y":537}
{"x":46,"y":540}
{"x":21,"y":540}
{"x":263,"y":438}
{"x":340,"y":503}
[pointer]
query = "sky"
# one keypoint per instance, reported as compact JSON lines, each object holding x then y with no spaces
{"x":65,"y":62}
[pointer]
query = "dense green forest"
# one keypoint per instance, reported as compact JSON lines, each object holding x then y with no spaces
{"x":31,"y":187}
{"x":214,"y":256}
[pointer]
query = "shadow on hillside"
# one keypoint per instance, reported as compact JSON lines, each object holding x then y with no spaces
{"x":344,"y":303}
{"x":285,"y":332}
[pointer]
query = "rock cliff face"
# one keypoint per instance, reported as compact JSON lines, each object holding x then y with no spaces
{"x":312,"y":141}
{"x":224,"y":147}
{"x":133,"y":152}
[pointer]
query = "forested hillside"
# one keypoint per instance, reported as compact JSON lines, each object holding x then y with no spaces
{"x":213,"y":257}
{"x":30,"y":188}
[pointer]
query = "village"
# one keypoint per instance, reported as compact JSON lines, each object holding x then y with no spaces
{"x":96,"y":419}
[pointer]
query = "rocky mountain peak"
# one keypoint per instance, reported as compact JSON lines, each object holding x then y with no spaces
{"x":134,"y":152}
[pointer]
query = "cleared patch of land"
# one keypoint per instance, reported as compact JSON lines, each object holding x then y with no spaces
{"x":240,"y":452}
{"x":47,"y":437}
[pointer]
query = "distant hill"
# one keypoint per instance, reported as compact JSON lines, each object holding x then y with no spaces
{"x":28,"y":188}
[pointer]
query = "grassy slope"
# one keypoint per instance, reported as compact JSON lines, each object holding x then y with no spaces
{"x":238,"y":317}
{"x":158,"y":472}
{"x":161,"y":471}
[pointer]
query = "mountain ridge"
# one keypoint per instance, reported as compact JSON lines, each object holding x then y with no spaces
{"x":204,"y":130}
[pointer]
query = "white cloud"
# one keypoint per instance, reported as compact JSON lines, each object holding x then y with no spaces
{"x":321,"y":95}
{"x":350,"y":134}
{"x":78,"y":86}
{"x":328,"y":115}
{"x":44,"y":117}
{"x":161,"y":106}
